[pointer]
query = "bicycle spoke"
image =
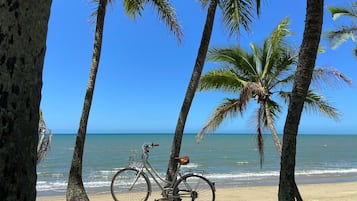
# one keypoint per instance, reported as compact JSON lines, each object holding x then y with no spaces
{"x":130,"y":185}
{"x":194,"y":187}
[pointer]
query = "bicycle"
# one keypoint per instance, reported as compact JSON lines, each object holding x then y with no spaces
{"x":132,"y":183}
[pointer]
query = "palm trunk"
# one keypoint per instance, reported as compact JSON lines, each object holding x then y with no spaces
{"x":305,"y":67}
{"x":278,"y":143}
{"x":272,"y":129}
{"x":191,"y":89}
{"x":75,"y":188}
{"x":23,"y":32}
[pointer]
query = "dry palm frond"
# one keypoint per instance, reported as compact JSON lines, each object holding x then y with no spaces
{"x":330,"y":77}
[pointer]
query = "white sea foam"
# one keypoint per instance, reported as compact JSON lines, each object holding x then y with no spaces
{"x":252,"y":176}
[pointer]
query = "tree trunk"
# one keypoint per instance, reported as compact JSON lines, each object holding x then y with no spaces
{"x":272,"y":129}
{"x":75,"y":188}
{"x":23,"y":32}
{"x":191,"y":89}
{"x":305,"y":67}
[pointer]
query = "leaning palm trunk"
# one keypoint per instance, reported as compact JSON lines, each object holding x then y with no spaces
{"x":278,"y":143}
{"x":305,"y":67}
{"x":272,"y":129}
{"x":43,"y":146}
{"x":191,"y":89}
{"x":75,"y":188}
{"x":45,"y":137}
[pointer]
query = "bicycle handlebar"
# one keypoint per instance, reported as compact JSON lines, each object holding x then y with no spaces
{"x":146,"y":147}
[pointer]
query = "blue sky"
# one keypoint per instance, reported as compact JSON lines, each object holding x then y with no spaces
{"x":144,"y":72}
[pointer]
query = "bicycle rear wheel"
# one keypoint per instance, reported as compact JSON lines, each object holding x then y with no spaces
{"x":194,"y":187}
{"x":129,"y":184}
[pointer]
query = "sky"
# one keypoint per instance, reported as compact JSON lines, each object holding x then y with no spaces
{"x":144,"y":72}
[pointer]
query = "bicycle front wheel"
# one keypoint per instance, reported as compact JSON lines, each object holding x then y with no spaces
{"x":194,"y":187}
{"x":129,"y":184}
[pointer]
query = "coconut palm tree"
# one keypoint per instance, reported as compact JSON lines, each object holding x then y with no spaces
{"x":23,"y":34}
{"x":262,"y":75}
{"x":305,"y":69}
{"x":236,"y":13}
{"x":344,"y":32}
{"x":75,"y":188}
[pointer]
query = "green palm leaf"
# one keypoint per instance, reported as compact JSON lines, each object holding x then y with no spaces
{"x":229,"y":107}
{"x":344,"y":32}
{"x":237,"y":13}
{"x":317,"y":103}
{"x":221,"y":79}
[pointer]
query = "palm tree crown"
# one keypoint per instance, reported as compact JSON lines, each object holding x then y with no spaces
{"x":261,"y":75}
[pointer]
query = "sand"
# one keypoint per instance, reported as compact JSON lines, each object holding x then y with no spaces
{"x":310,"y":192}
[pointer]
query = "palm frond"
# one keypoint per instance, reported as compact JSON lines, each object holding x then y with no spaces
{"x":337,"y":37}
{"x":341,"y":35}
{"x":165,"y":10}
{"x":329,"y":77}
{"x":278,"y":37}
{"x":257,"y":58}
{"x":236,"y":58}
{"x":285,"y":96}
{"x":168,"y":14}
{"x":221,"y":79}
{"x":339,"y":11}
{"x":317,"y":103}
{"x":230,"y":107}
{"x":134,"y":8}
{"x":275,"y":49}
{"x":237,"y":13}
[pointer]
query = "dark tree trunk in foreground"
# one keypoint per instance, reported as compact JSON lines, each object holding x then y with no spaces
{"x":75,"y":188}
{"x":23,"y":32}
{"x":305,"y":67}
{"x":191,"y":89}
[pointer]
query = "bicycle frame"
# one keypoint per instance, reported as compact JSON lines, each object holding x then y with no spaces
{"x":146,"y":165}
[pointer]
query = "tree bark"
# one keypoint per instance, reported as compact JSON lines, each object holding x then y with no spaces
{"x":75,"y":188}
{"x":23,"y":32}
{"x":305,"y":67}
{"x":191,"y":89}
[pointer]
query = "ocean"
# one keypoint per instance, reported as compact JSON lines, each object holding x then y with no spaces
{"x":229,"y":160}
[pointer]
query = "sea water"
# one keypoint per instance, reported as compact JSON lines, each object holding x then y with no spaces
{"x":229,"y":160}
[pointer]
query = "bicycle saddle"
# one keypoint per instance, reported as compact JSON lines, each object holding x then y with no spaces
{"x":184,"y":160}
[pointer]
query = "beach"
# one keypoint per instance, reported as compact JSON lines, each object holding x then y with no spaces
{"x":325,"y":167}
{"x":343,"y":191}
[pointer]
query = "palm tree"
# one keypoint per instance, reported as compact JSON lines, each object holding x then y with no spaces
{"x":75,"y":188}
{"x":235,"y":13}
{"x":304,"y":74}
{"x":344,"y":32}
{"x":23,"y":34}
{"x":260,"y":76}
